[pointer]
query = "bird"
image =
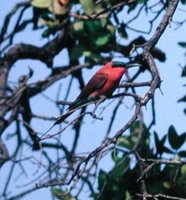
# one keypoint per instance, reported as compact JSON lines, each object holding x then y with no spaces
{"x":101,"y":86}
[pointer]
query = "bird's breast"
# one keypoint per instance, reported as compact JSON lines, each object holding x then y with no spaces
{"x":112,"y":83}
{"x":116,"y":74}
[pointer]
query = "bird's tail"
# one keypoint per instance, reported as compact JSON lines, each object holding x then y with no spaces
{"x":58,"y":121}
{"x":62,"y":118}
{"x":72,"y":108}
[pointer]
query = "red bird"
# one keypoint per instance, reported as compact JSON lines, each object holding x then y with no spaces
{"x":100,"y":86}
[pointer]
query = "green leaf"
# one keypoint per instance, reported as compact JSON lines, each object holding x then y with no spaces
{"x":128,"y":142}
{"x":175,"y":140}
{"x":184,"y":111}
{"x":41,"y":3}
{"x":128,"y":196}
{"x":61,"y":195}
{"x":166,"y":184}
{"x":52,"y":27}
{"x":76,"y":52}
{"x":50,"y":23}
{"x":160,"y":144}
{"x":183,"y":1}
{"x":88,"y":6}
{"x":183,"y":170}
{"x":111,"y":28}
{"x":93,"y":26}
{"x":122,"y":31}
{"x":48,"y":32}
{"x":115,"y":156}
{"x":183,"y":72}
{"x":57,"y":192}
{"x":125,"y":142}
{"x":78,"y":26}
{"x":92,"y":57}
{"x":141,"y":1}
{"x":132,"y":6}
{"x":120,"y":168}
{"x":135,"y":128}
{"x":182,"y":154}
{"x":172,"y":136}
{"x":102,"y":178}
{"x":102,"y":40}
{"x":182,"y":44}
{"x":183,"y":99}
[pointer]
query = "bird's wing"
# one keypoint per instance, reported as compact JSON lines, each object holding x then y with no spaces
{"x":95,"y":83}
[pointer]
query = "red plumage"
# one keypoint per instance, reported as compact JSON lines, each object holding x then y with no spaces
{"x":103,"y":83}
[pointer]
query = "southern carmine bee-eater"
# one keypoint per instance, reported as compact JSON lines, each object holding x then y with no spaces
{"x":100,"y":86}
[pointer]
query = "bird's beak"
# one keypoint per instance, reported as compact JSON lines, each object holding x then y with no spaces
{"x":130,"y":65}
{"x":118,"y":64}
{"x":125,"y":65}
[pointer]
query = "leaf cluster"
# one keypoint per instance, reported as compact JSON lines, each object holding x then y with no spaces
{"x":123,"y":180}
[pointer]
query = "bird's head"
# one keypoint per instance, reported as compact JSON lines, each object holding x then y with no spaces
{"x":124,"y":65}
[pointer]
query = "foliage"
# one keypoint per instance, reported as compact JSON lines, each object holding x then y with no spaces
{"x":124,"y":180}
